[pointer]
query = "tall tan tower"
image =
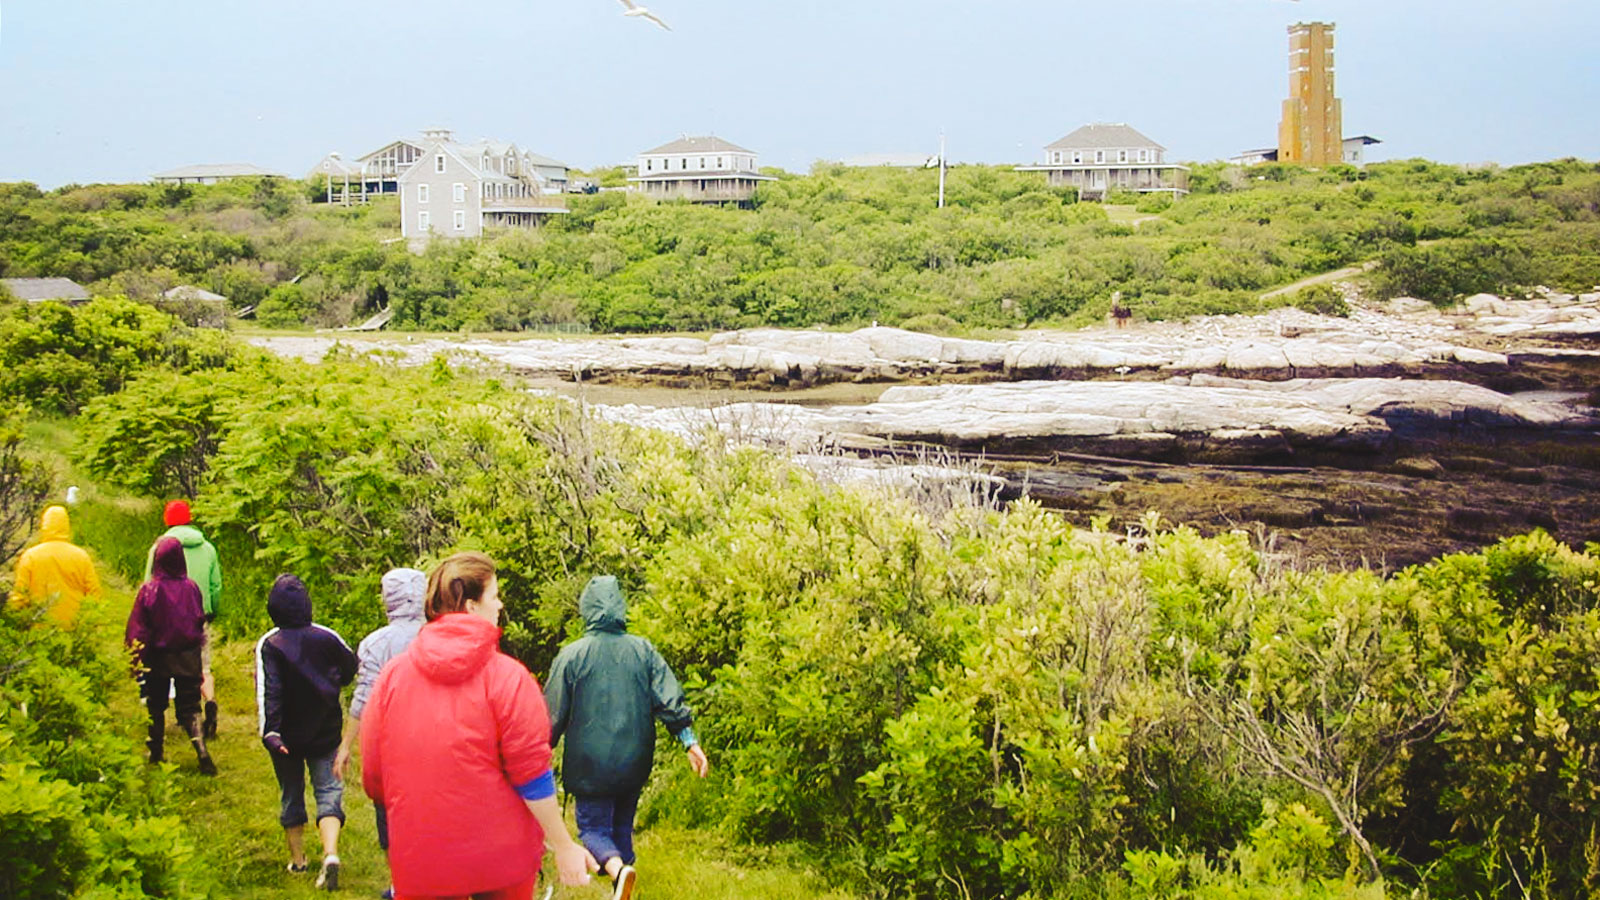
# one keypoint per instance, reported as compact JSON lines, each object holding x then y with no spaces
{"x":1312,"y":128}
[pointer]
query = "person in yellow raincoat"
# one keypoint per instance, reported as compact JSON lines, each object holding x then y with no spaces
{"x":55,"y":572}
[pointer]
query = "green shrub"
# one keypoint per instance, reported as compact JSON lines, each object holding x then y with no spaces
{"x":1322,"y":299}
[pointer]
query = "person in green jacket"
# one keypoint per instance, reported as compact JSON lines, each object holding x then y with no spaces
{"x":605,"y":690}
{"x":206,"y":571}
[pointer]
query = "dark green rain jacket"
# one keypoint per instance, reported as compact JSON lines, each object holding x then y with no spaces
{"x":604,"y":692}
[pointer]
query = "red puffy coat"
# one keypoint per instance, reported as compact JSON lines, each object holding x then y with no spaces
{"x":451,"y":731}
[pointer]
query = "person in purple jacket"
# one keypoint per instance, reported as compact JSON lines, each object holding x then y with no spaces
{"x":165,"y":633}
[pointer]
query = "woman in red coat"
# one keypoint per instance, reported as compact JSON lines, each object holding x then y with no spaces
{"x":455,"y":743}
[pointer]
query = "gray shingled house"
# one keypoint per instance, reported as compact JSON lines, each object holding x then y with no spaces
{"x":459,"y":190}
{"x":700,"y":170}
{"x":1100,"y":158}
{"x":379,"y":172}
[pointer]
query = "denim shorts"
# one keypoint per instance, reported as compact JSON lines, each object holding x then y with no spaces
{"x":325,"y":787}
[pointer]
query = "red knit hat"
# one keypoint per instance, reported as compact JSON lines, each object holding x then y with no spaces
{"x":177,"y":513}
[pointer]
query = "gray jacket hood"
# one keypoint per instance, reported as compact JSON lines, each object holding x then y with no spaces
{"x":403,"y":593}
{"x":602,"y":606}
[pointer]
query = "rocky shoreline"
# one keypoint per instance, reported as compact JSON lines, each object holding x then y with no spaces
{"x":1403,"y":338}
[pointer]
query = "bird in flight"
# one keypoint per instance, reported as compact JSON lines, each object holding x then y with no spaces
{"x":634,"y":9}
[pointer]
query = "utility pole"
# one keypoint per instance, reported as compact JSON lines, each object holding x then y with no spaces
{"x":941,"y":168}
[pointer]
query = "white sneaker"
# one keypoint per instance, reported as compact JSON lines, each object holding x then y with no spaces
{"x":328,"y":878}
{"x":625,"y":880}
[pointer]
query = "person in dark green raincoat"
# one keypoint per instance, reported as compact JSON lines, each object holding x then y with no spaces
{"x":605,"y":692}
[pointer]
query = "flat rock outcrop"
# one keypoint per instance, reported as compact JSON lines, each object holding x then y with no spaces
{"x":1199,"y":417}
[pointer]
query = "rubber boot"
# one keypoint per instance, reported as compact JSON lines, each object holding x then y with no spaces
{"x":207,"y":767}
{"x":156,"y":741}
{"x":208,"y":728}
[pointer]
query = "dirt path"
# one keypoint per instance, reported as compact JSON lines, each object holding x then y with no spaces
{"x":1324,"y":278}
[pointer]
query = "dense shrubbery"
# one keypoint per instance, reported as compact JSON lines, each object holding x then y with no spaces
{"x":60,"y":357}
{"x":950,"y":697}
{"x":837,"y":247}
{"x":80,"y":812}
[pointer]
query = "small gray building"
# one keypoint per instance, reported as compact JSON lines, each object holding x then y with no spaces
{"x":1100,"y":158}
{"x":39,"y":290}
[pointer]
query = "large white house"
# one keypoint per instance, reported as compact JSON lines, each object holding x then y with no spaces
{"x":1100,"y":158}
{"x":699,"y":169}
{"x":379,"y":172}
{"x":459,"y":190}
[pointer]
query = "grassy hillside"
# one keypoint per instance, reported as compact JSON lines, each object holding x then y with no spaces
{"x":838,"y":247}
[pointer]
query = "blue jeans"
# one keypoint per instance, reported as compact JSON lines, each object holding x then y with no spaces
{"x":605,"y":826}
{"x":325,"y":787}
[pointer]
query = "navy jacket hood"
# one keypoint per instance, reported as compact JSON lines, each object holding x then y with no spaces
{"x":289,"y":603}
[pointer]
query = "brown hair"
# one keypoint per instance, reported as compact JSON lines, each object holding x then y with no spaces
{"x":462,"y":577}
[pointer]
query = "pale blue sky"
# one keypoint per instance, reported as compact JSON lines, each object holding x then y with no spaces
{"x":95,"y":90}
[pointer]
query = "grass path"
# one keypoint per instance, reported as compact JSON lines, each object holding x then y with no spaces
{"x":235,"y":822}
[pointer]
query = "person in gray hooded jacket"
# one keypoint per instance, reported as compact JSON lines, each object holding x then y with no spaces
{"x":403,"y":594}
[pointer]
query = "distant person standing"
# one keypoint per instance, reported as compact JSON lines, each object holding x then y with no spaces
{"x":165,"y":635}
{"x":606,"y":690}
{"x":403,"y":593}
{"x":55,"y":573}
{"x":206,"y":572}
{"x":300,"y":668}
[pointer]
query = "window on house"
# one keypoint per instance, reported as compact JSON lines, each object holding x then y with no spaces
{"x":1077,"y":156}
{"x":422,"y":193}
{"x":422,"y":222}
{"x":684,"y":163}
{"x":1122,"y":156}
{"x":438,"y":162}
{"x":1144,"y":156}
{"x":459,"y":192}
{"x":1099,"y":156}
{"x":460,"y":220}
{"x":719,"y":163}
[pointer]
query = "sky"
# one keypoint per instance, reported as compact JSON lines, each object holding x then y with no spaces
{"x":116,"y":90}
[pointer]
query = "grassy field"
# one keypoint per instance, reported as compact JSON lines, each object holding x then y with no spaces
{"x":234,"y":816}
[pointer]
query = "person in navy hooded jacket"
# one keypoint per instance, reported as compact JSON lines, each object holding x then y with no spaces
{"x":300,"y":667}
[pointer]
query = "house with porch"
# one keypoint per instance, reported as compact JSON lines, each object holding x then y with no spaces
{"x":700,"y":170}
{"x":379,"y":172}
{"x":461,"y":190}
{"x":1100,"y":158}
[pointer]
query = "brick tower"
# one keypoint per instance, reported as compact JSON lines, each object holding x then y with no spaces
{"x":1311,"y":132}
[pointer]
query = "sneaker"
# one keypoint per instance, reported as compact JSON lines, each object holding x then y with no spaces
{"x":328,"y":878}
{"x":388,"y":893}
{"x":297,"y":868}
{"x":625,"y":879}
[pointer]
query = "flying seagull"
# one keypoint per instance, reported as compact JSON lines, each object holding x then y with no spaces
{"x":634,"y":9}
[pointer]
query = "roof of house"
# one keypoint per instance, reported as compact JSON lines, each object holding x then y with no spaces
{"x":413,"y":142}
{"x":539,"y":160}
{"x":706,"y":144}
{"x":190,"y":292}
{"x":218,"y":170}
{"x":1103,"y":136}
{"x":45,"y":288}
{"x":1365,"y":139}
{"x":334,"y":164}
